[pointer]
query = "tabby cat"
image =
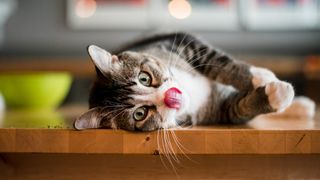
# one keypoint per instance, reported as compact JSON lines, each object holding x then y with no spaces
{"x":172,"y":80}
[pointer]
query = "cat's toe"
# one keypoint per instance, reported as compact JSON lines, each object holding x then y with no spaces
{"x":280,"y":94}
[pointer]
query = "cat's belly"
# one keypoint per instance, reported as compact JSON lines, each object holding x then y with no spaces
{"x":197,"y":87}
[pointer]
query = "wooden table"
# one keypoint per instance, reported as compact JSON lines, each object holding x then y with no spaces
{"x":42,"y":144}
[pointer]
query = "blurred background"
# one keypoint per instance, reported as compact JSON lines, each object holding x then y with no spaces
{"x":46,"y":35}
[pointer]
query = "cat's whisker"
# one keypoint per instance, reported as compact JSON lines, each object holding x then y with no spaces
{"x":173,"y":43}
{"x":180,"y":146}
{"x":164,"y":144}
{"x":97,"y":122}
{"x":121,"y":76}
{"x":179,"y":53}
{"x":178,"y":49}
{"x":167,"y":155}
{"x":174,"y":151}
{"x":175,"y":60}
{"x":189,"y":67}
{"x":112,"y":111}
{"x":185,"y":46}
{"x":160,"y":150}
{"x":171,"y":150}
{"x":190,"y":63}
{"x":194,"y":67}
{"x":170,"y":55}
{"x":117,"y":73}
{"x":191,"y":60}
{"x":207,"y":64}
{"x":177,"y":143}
{"x":117,"y":106}
{"x":121,"y":112}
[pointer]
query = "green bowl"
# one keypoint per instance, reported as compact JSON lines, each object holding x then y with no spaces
{"x":35,"y":90}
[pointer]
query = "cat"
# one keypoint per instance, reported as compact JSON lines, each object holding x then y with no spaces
{"x":176,"y":79}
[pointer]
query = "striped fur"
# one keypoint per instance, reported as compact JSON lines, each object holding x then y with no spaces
{"x":217,"y":87}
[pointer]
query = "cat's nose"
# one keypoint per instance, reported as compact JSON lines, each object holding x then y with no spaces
{"x":172,"y":98}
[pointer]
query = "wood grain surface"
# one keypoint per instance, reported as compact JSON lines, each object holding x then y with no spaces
{"x":263,"y":135}
{"x":146,"y":167}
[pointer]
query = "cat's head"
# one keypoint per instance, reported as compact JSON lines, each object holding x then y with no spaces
{"x":132,"y":91}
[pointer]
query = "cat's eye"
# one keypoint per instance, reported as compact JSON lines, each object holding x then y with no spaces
{"x":140,"y":113}
{"x":145,"y":79}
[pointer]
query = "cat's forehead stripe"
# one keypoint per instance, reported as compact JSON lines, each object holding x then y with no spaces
{"x":153,"y":70}
{"x":145,"y":61}
{"x":156,"y":73}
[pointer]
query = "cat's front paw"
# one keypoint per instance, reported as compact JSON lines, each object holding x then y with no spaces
{"x":280,"y":95}
{"x":261,"y":77}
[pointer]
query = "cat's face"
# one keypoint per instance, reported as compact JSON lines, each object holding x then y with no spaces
{"x":133,"y":91}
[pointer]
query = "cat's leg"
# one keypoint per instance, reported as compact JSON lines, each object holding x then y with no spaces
{"x":240,"y":107}
{"x":259,"y":91}
{"x":217,"y":65}
{"x":213,"y":63}
{"x":247,"y":78}
{"x":229,"y":71}
{"x":240,"y":75}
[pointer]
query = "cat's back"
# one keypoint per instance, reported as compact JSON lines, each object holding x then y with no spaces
{"x":161,"y":41}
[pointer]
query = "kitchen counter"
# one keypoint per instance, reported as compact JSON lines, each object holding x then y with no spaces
{"x":43,"y":145}
{"x":52,"y":132}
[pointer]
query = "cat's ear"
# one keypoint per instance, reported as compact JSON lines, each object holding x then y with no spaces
{"x":91,"y":119}
{"x":102,"y":59}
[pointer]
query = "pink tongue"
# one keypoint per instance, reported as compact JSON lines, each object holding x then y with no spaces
{"x":172,"y":98}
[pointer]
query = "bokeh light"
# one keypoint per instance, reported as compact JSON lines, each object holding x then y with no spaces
{"x":179,"y":9}
{"x":85,"y":8}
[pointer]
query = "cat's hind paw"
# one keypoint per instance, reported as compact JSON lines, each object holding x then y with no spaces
{"x":280,"y":95}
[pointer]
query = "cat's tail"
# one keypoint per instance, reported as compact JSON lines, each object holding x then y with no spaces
{"x":301,"y":107}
